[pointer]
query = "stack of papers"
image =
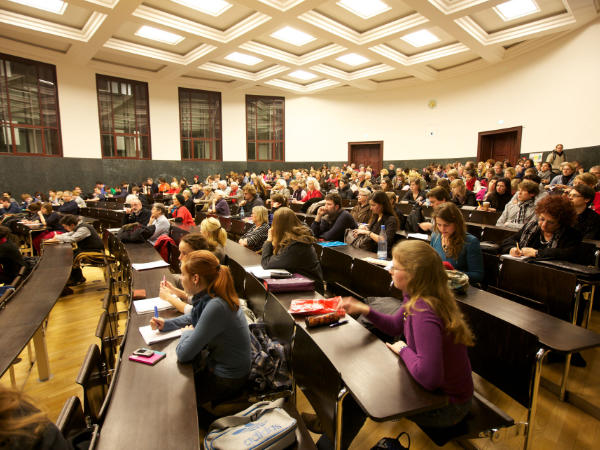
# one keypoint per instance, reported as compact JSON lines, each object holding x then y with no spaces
{"x":259,"y":272}
{"x":150,"y":265}
{"x":147,"y":305}
{"x":421,"y":236}
{"x":152,"y":336}
{"x":113,"y":230}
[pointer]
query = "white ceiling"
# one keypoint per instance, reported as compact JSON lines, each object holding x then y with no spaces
{"x":101,"y":34}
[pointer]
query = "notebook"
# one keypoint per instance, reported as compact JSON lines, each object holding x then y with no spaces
{"x":147,"y":305}
{"x":153,"y":336}
{"x":150,"y":265}
{"x":150,"y":360}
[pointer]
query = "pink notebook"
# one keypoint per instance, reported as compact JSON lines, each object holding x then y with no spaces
{"x":150,"y":360}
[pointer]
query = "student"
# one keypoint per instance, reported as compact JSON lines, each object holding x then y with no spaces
{"x":460,"y":195}
{"x":217,"y":324}
{"x":551,"y":235}
{"x":436,"y":338}
{"x":181,"y":214}
{"x":519,"y":212}
{"x":382,"y":213}
{"x":220,"y":205}
{"x":415,"y":193}
{"x":215,"y":234}
{"x":588,"y":220}
{"x":332,"y":220}
{"x":454,"y":245}
{"x":136,"y":213}
{"x":500,"y":196}
{"x":567,"y":177}
{"x":256,"y":236}
{"x":436,"y":197}
{"x":69,"y":205}
{"x":289,"y":246}
{"x":314,"y":190}
{"x":11,"y":259}
{"x":362,"y":210}
{"x":250,"y":199}
{"x":159,"y":219}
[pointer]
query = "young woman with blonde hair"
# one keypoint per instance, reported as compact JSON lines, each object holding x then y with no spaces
{"x":436,"y":334}
{"x":216,"y":235}
{"x":217,"y":324}
{"x":289,"y":246}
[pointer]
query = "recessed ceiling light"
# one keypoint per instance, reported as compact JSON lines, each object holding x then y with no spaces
{"x":420,"y":38}
{"x":352,"y":59}
{"x":302,"y":75}
{"x":212,"y":7}
{"x":243,"y":58}
{"x":365,"y":8}
{"x":159,"y":35}
{"x":293,"y":36}
{"x":53,"y":6}
{"x":513,"y":9}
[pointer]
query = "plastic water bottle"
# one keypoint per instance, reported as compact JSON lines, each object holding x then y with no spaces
{"x":242,"y":214}
{"x":382,"y":244}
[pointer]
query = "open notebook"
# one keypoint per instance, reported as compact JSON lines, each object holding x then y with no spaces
{"x":147,"y":305}
{"x":152,"y":336}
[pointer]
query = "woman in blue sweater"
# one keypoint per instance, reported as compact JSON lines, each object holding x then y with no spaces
{"x":454,"y":245}
{"x":216,"y":324}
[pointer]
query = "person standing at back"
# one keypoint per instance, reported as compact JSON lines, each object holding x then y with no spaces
{"x":556,"y":158}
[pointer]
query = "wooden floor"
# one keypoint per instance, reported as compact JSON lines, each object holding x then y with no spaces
{"x":72,"y":324}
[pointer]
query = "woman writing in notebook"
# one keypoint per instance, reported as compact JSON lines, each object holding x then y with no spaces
{"x":217,"y":324}
{"x":436,"y":337}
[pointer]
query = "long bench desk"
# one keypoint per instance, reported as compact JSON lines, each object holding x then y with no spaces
{"x":151,"y":406}
{"x":23,"y":317}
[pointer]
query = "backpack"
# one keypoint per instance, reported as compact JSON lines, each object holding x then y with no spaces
{"x":269,"y":370}
{"x":414,"y":218}
{"x":135,"y":232}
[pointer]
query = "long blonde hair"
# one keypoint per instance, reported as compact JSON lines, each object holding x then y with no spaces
{"x":287,"y":228}
{"x":428,"y":280}
{"x":18,"y":416}
{"x":213,"y":231}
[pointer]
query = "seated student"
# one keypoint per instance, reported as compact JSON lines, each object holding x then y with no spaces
{"x":436,"y":338}
{"x":11,"y":259}
{"x":289,"y":246}
{"x":217,"y":324}
{"x":436,"y":197}
{"x":23,"y":426}
{"x":8,"y":207}
{"x":180,"y":213}
{"x":500,"y":196}
{"x":362,"y":210}
{"x":297,"y":192}
{"x":518,"y":213}
{"x":256,"y":236}
{"x":86,"y":238}
{"x":588,"y":221}
{"x":545,"y":173}
{"x":158,"y":218}
{"x":549,"y":236}
{"x":415,"y":193}
{"x":281,"y":189}
{"x":216,"y":235}
{"x":566,"y":178}
{"x":189,"y":201}
{"x":344,"y":189}
{"x":332,"y":220}
{"x":251,"y":199}
{"x":314,"y":190}
{"x":460,"y":195}
{"x":136,"y":213}
{"x":219,"y":205}
{"x":454,"y":245}
{"x":382,"y":213}
{"x":69,"y":205}
{"x":592,"y":181}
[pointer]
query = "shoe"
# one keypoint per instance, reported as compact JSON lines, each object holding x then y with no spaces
{"x":577,"y":360}
{"x":67,"y":291}
{"x":312,"y":422}
{"x":76,"y":282}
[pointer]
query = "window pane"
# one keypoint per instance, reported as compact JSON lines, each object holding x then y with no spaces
{"x":5,"y":139}
{"x":200,"y":117}
{"x":144,"y":143}
{"x":51,"y":141}
{"x":124,"y":113}
{"x":218,"y":151}
{"x":265,"y":127}
{"x":108,"y":145}
{"x":278,"y":151}
{"x":185,"y":149}
{"x":125,"y":146}
{"x":23,"y":93}
{"x":201,"y":150}
{"x":264,"y":151}
{"x":251,"y":150}
{"x":28,"y":140}
{"x":105,"y":107}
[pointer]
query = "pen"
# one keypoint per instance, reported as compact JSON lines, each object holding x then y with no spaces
{"x":337,"y":324}
{"x":164,"y":280}
{"x":155,"y":312}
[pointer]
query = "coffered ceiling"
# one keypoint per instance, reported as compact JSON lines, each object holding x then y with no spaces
{"x":302,"y":46}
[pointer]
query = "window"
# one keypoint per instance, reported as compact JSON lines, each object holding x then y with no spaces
{"x":200,"y":124}
{"x":265,"y":130}
{"x":29,"y":119}
{"x":124,"y":118}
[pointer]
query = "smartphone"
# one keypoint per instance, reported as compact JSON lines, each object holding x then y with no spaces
{"x":143,"y":352}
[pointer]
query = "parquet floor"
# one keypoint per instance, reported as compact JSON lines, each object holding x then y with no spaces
{"x":72,"y":324}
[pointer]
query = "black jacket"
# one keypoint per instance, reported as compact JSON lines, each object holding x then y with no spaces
{"x":297,"y":257}
{"x":469,"y":200}
{"x":92,"y":243}
{"x":142,"y":217}
{"x":69,"y":208}
{"x":588,"y":224}
{"x":333,"y":231}
{"x":11,"y":261}
{"x":568,"y":248}
{"x":391,"y":226}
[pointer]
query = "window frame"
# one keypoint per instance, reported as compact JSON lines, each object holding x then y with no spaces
{"x":41,"y":127}
{"x":259,"y":141}
{"x":114,"y":135}
{"x":192,"y":139}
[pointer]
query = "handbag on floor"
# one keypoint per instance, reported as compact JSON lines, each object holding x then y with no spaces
{"x":264,"y":425}
{"x":392,"y":444}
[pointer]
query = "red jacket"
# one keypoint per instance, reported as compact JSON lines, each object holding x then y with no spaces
{"x":312,"y":194}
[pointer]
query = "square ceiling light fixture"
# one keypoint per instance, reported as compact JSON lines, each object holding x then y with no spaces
{"x":420,"y":38}
{"x":365,"y":8}
{"x":212,"y":7}
{"x":302,"y":75}
{"x":513,"y":9}
{"x":53,"y":6}
{"x":159,"y":35}
{"x":242,"y":58}
{"x":293,"y":36}
{"x":352,"y":59}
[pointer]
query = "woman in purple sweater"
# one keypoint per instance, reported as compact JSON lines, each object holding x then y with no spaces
{"x":436,"y":334}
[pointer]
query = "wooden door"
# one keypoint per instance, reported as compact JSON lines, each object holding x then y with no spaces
{"x":367,"y":153}
{"x":500,"y":144}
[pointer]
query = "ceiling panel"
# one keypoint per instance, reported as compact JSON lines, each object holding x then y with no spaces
{"x":491,"y":22}
{"x":409,"y":50}
{"x":129,"y":61}
{"x":453,"y":60}
{"x":127,"y":32}
{"x":74,"y":16}
{"x":341,"y":15}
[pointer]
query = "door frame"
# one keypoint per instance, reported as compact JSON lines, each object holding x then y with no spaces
{"x":481,"y":134}
{"x":379,"y":143}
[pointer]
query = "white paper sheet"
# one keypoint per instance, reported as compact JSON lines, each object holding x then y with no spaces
{"x":147,"y":305}
{"x":150,"y":265}
{"x":152,"y":336}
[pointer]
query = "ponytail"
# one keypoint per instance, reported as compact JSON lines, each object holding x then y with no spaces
{"x":222,"y":286}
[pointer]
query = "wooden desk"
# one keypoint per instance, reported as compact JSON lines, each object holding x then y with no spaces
{"x":151,"y":406}
{"x":22,"y":318}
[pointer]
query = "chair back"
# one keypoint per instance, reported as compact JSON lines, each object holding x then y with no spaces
{"x":370,"y":280}
{"x":336,"y":266}
{"x":107,"y":336}
{"x":238,"y":273}
{"x":71,"y":419}
{"x":256,"y":294}
{"x":280,"y":324}
{"x":484,"y":217}
{"x":93,"y":380}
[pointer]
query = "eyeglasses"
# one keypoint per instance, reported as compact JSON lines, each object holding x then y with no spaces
{"x":575,"y":195}
{"x":394,"y":269}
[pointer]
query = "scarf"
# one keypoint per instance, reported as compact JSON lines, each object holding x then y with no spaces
{"x":530,"y":229}
{"x":523,"y":207}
